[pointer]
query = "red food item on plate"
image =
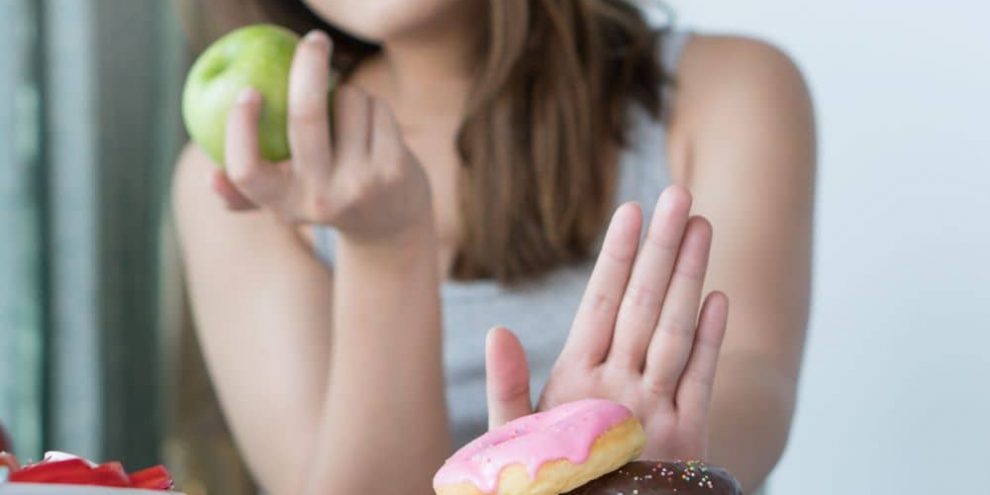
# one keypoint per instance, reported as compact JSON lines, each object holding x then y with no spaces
{"x":153,"y":478}
{"x":108,"y":474}
{"x":51,"y":471}
{"x":69,"y":470}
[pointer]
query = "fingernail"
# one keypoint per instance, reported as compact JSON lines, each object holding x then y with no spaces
{"x":248,"y":95}
{"x":318,"y":37}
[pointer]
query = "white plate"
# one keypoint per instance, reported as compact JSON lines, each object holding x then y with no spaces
{"x":50,"y":489}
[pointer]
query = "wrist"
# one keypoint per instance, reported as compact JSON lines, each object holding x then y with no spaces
{"x":413,"y":241}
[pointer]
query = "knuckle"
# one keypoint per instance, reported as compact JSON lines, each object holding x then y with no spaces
{"x":696,"y":382}
{"x":517,"y":389}
{"x":642,"y":296}
{"x":617,"y":255}
{"x":658,"y":385}
{"x":317,"y":207}
{"x":360,"y":188}
{"x":690,"y":272}
{"x":603,"y":304}
{"x":305,"y":113}
{"x":702,"y":380}
{"x":676,"y":327}
{"x":659,"y":240}
{"x":242,"y":176}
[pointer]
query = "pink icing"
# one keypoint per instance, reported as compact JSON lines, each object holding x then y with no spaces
{"x":565,"y":432}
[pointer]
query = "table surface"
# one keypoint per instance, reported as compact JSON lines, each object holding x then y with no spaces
{"x":50,"y":489}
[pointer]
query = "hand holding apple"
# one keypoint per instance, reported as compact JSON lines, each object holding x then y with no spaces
{"x":364,"y":181}
{"x":257,"y":57}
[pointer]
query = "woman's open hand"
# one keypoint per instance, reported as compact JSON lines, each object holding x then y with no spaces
{"x":637,"y":337}
{"x":365,"y":183}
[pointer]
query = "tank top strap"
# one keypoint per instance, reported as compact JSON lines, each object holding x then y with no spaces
{"x":672,"y":44}
{"x":644,"y":171}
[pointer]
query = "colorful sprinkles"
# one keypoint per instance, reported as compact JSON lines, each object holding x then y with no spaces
{"x":663,"y":478}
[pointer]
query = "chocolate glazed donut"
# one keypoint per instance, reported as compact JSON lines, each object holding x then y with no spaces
{"x":663,"y":478}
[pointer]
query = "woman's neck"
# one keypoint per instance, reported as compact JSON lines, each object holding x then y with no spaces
{"x":426,"y":75}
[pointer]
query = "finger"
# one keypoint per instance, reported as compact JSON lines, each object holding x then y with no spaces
{"x":226,"y":189}
{"x":673,"y":339}
{"x":352,"y":121}
{"x":309,"y":124}
{"x":591,"y":333}
{"x":694,"y":392}
{"x":386,"y":140}
{"x":258,"y":181}
{"x":640,"y":308}
{"x":507,"y":378}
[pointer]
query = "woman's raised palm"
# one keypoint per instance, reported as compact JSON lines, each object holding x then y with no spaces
{"x":637,"y":338}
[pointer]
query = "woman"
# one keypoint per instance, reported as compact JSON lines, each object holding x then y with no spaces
{"x":477,"y":151}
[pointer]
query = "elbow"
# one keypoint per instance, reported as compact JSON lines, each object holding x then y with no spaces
{"x":779,"y":417}
{"x":751,"y":422}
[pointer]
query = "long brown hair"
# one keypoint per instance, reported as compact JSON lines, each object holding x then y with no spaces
{"x":537,"y":141}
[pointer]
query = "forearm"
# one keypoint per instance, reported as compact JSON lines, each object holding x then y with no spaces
{"x":385,"y":405}
{"x":750,"y":418}
{"x":259,"y":300}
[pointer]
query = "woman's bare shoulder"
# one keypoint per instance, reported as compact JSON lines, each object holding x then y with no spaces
{"x":738,"y":89}
{"x":204,"y":222}
{"x":195,"y":206}
{"x":724,"y":66}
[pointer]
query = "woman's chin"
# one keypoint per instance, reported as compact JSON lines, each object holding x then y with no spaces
{"x":378,"y":21}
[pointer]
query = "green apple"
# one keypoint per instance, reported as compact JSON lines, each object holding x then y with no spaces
{"x":259,"y":57}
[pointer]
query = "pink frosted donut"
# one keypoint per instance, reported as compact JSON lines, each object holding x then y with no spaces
{"x":548,"y":452}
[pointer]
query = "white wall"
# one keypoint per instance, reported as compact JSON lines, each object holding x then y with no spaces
{"x":895,"y":396}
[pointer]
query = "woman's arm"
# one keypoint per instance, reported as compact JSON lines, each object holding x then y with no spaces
{"x":261,"y":302}
{"x":378,"y":396}
{"x":743,"y":142}
{"x":386,"y":429}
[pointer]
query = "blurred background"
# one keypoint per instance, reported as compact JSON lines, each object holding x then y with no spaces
{"x":96,"y":354}
{"x":894,"y":394}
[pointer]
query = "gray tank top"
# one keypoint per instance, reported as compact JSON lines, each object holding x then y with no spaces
{"x":540,"y":311}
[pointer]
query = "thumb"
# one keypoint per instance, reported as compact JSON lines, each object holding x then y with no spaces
{"x":507,"y":377}
{"x":226,"y":189}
